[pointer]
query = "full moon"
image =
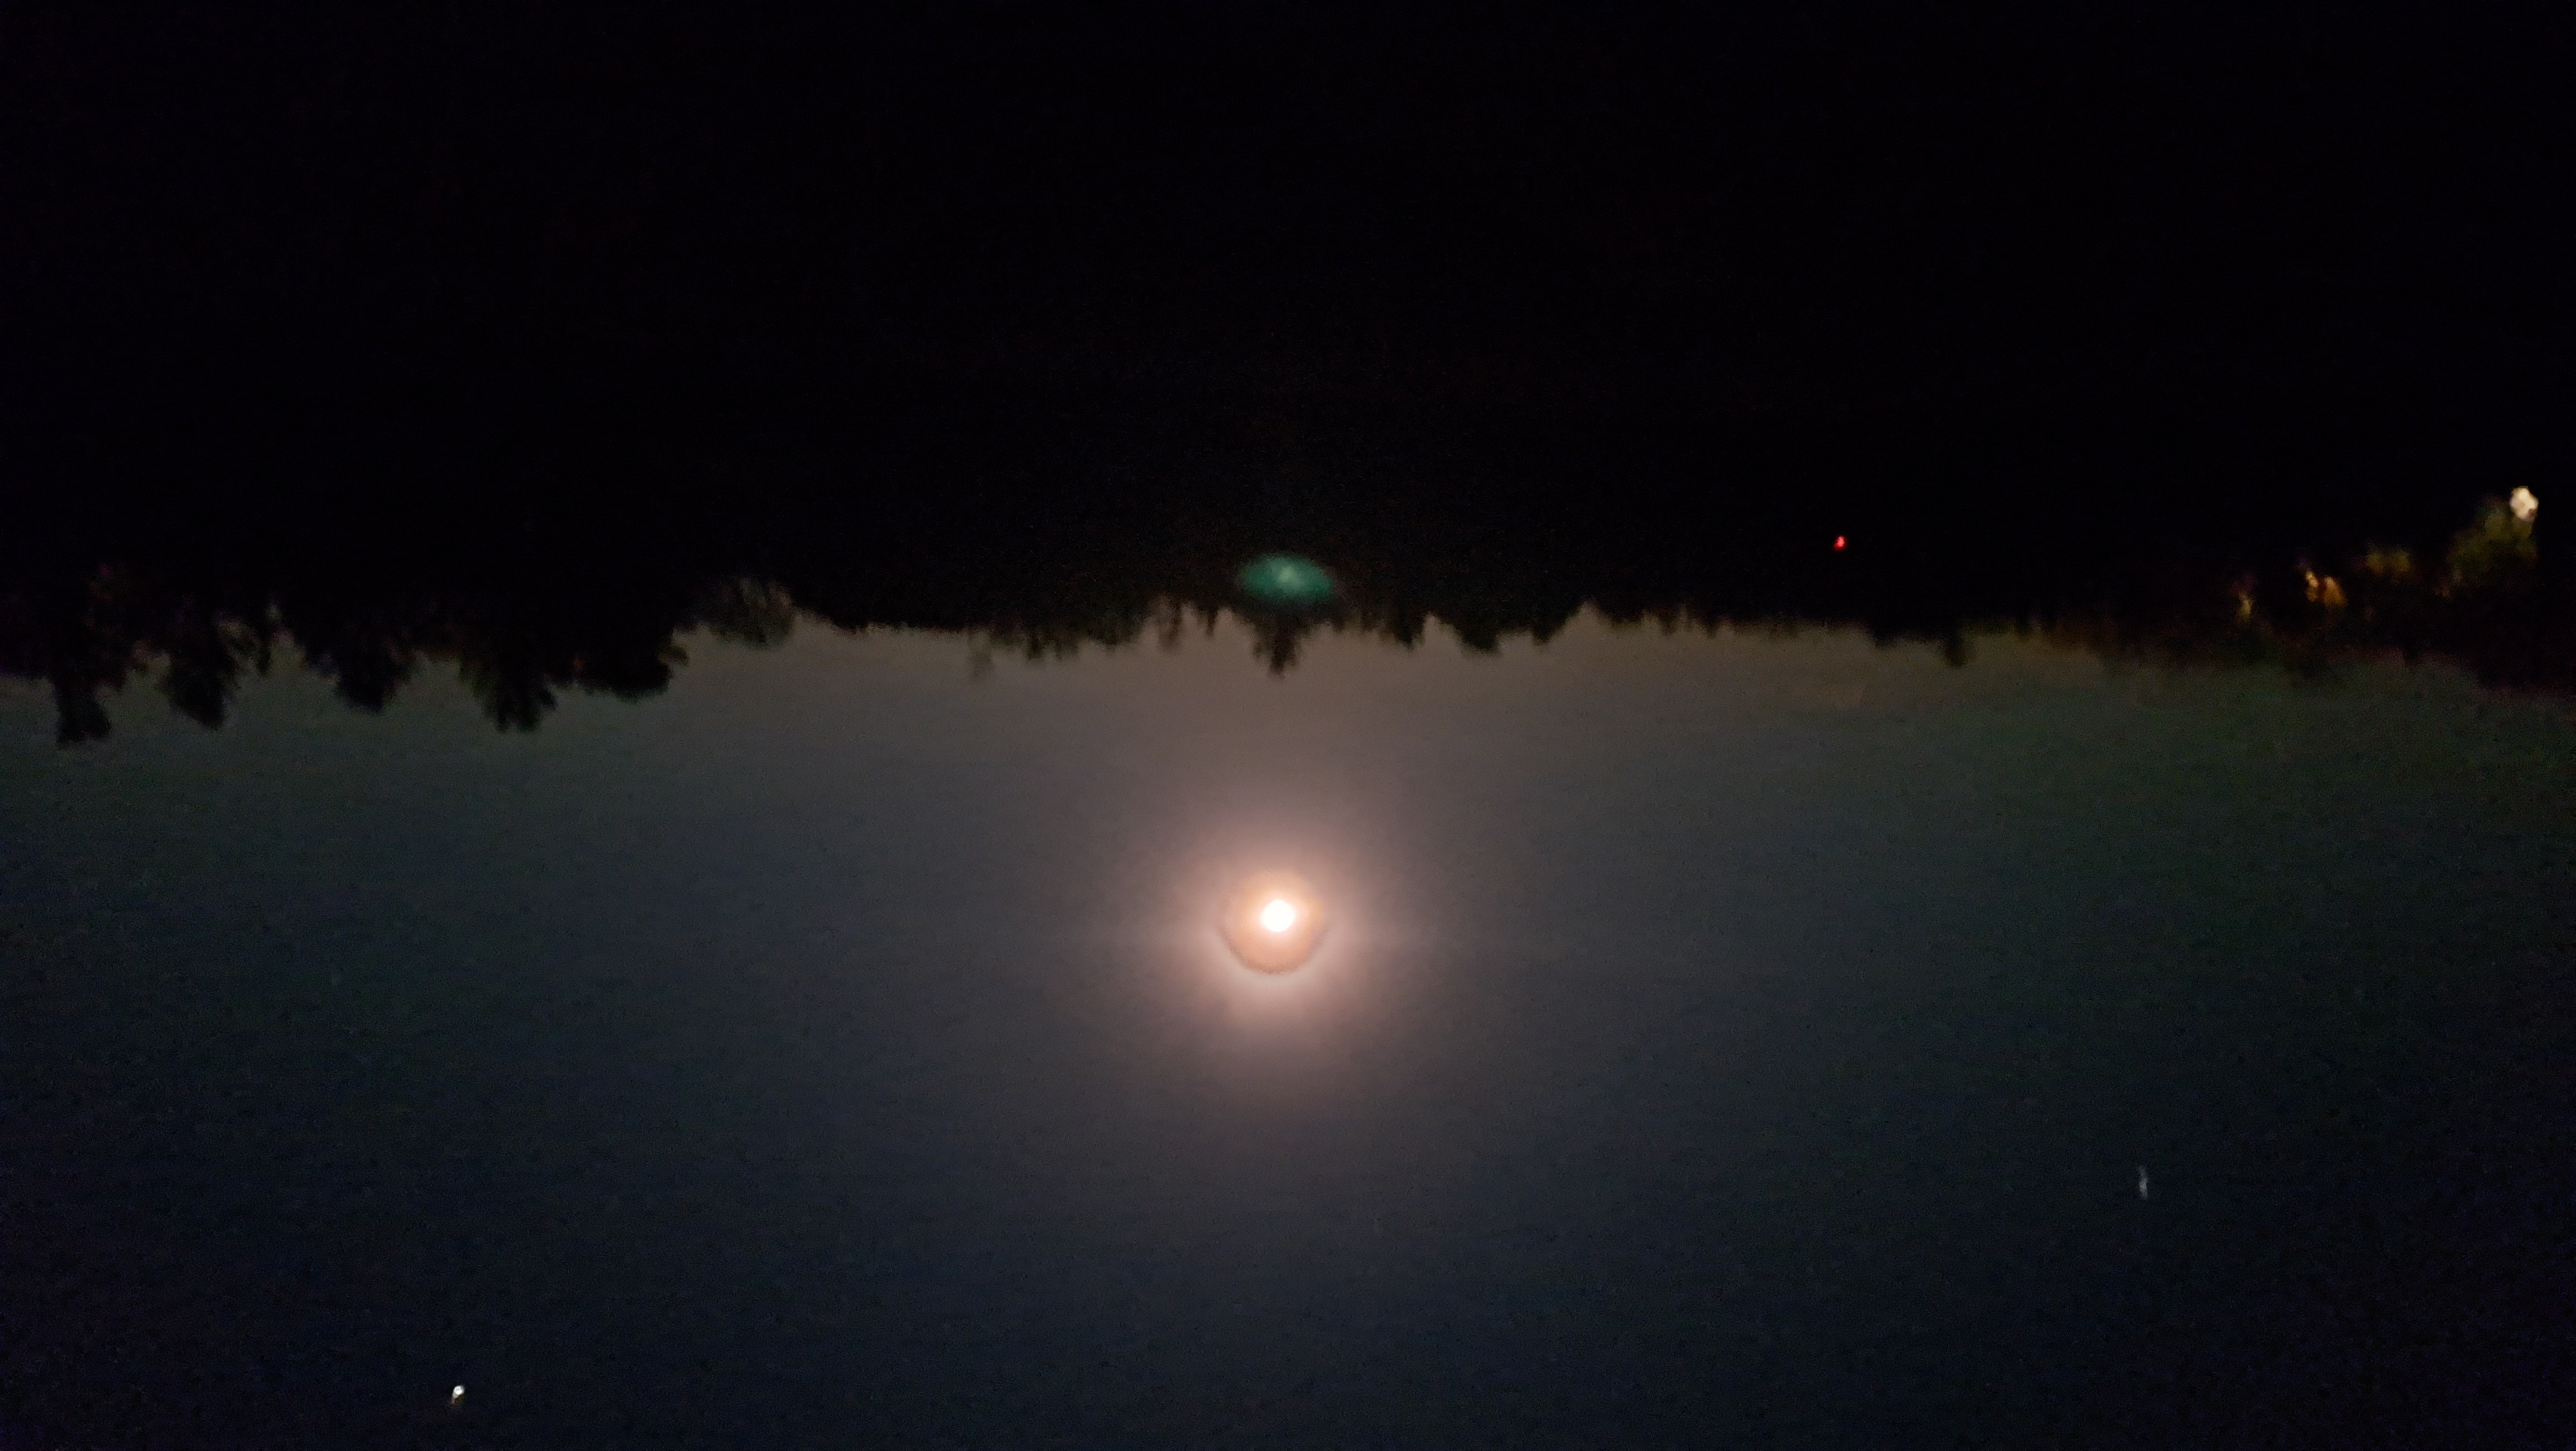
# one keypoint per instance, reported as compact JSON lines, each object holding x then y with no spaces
{"x":1272,"y":922}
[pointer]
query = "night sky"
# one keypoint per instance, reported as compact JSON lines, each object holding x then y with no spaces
{"x":1747,"y":1036}
{"x":593,"y":802}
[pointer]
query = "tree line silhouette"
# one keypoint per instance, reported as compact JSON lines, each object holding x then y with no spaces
{"x":520,"y":637}
{"x":1012,"y":353}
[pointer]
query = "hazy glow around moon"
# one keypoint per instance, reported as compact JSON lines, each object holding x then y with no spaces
{"x":1272,"y":921}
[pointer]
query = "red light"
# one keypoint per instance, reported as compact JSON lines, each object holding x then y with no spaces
{"x":1839,"y":541}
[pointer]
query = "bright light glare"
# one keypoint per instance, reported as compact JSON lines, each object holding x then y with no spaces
{"x":1272,"y":921}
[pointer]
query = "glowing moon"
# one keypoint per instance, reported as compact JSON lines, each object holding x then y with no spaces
{"x":1272,"y":922}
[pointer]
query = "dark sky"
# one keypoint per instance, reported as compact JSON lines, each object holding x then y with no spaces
{"x":1757,"y":1033}
{"x":1754,"y":1034}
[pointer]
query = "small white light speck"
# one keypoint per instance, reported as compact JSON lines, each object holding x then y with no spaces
{"x":456,"y":1395}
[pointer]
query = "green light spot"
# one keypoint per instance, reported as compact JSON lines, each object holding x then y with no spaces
{"x":1286,"y":580}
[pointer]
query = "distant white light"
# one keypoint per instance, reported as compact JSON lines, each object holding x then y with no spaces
{"x":456,"y":1395}
{"x":1273,"y":921}
{"x":2524,"y":504}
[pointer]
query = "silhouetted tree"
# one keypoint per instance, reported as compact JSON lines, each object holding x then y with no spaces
{"x":751,"y":612}
{"x":86,"y":631}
